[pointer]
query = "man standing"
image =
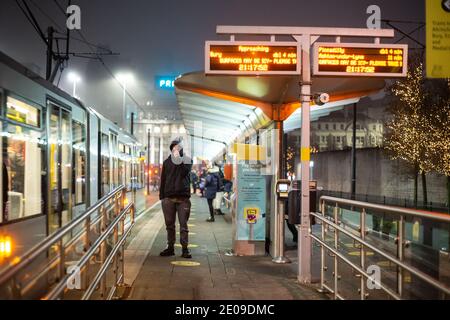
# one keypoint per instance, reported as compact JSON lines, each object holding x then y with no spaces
{"x":174,"y":194}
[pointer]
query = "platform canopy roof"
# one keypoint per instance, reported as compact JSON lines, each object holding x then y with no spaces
{"x":218,"y":109}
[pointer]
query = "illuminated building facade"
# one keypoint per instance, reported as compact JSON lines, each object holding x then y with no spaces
{"x":164,"y":125}
{"x":335,"y":132}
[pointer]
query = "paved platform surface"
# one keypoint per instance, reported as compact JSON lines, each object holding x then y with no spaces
{"x":215,"y":275}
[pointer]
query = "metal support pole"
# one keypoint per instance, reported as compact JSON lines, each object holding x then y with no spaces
{"x":62,"y":259}
{"x":279,"y":235}
{"x":363,"y":253}
{"x":48,"y":72}
{"x":124,"y":114}
{"x":279,"y":209}
{"x":336,"y":247}
{"x":323,"y":268}
{"x":304,"y":239}
{"x":353,"y":186}
{"x":400,"y":254}
{"x":148,"y":161}
{"x":103,"y":213}
{"x":132,"y":123}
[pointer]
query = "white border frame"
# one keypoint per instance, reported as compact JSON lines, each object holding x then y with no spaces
{"x":252,"y":43}
{"x":315,"y":61}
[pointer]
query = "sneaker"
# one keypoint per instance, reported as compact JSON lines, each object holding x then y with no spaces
{"x":186,"y":254}
{"x":210,"y":219}
{"x":169,"y":251}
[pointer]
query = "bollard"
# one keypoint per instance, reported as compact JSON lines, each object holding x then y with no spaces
{"x":279,"y":235}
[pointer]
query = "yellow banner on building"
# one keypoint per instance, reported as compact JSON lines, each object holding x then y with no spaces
{"x":437,"y":38}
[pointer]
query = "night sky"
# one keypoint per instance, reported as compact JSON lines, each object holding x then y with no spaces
{"x":167,"y":37}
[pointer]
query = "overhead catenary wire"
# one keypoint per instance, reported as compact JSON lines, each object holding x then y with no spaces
{"x":100,"y":59}
{"x":58,"y":29}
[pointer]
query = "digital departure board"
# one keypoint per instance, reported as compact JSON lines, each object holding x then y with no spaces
{"x":252,"y":58}
{"x":360,"y":59}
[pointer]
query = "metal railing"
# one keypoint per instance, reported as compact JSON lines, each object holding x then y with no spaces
{"x":75,"y":261}
{"x":337,"y":223}
{"x":389,"y":201}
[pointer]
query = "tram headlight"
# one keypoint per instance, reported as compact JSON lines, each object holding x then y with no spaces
{"x":5,"y":246}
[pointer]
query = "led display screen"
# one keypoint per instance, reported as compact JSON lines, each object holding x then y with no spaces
{"x":360,"y":59}
{"x":252,"y":58}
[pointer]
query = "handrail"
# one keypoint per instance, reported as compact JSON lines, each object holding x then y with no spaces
{"x":413,"y":270}
{"x":359,"y":208}
{"x":46,"y":243}
{"x":112,"y":201}
{"x":391,"y":209}
{"x":86,"y":257}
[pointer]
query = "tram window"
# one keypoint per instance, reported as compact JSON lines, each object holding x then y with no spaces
{"x":78,"y":163}
{"x":22,"y":153}
{"x":105,"y":164}
{"x":21,"y":112}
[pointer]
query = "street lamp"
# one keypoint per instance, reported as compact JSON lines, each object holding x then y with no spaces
{"x":74,"y":78}
{"x":124,"y":79}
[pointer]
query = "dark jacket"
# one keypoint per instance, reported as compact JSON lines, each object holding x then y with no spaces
{"x":212,"y":184}
{"x":175,"y":179}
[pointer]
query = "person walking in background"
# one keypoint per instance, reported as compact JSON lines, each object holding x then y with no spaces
{"x":175,"y":193}
{"x":227,"y":189}
{"x":211,"y":188}
{"x":217,"y":203}
{"x":194,"y":181}
{"x":202,"y":182}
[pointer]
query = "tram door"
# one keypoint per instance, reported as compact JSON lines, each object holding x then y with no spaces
{"x":60,"y":162}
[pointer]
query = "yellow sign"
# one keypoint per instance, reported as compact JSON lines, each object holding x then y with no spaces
{"x":251,"y":214}
{"x":437,"y":38}
{"x":305,"y":154}
{"x":225,"y":57}
{"x":360,"y":59}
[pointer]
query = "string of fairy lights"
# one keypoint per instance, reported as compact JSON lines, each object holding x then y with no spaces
{"x":419,"y":131}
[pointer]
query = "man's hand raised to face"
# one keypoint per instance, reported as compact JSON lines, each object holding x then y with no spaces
{"x":176,"y":151}
{"x":175,"y":156}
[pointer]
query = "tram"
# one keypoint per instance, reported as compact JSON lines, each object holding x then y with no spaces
{"x":58,"y":158}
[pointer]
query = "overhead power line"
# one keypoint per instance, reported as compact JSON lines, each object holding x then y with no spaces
{"x":99,"y":58}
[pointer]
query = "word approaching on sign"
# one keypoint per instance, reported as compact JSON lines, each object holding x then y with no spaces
{"x":223,"y":57}
{"x":360,"y":59}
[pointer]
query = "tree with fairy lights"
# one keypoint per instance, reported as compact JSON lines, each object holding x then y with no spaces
{"x":406,"y":137}
{"x":418,"y":130}
{"x":290,"y":158}
{"x":439,"y":131}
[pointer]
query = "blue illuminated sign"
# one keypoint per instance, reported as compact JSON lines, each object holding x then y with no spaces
{"x":165,"y":82}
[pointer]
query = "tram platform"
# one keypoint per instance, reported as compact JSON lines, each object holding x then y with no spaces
{"x":210,"y":274}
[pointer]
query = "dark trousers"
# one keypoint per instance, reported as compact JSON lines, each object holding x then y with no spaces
{"x":170,"y":208}
{"x":211,"y":208}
